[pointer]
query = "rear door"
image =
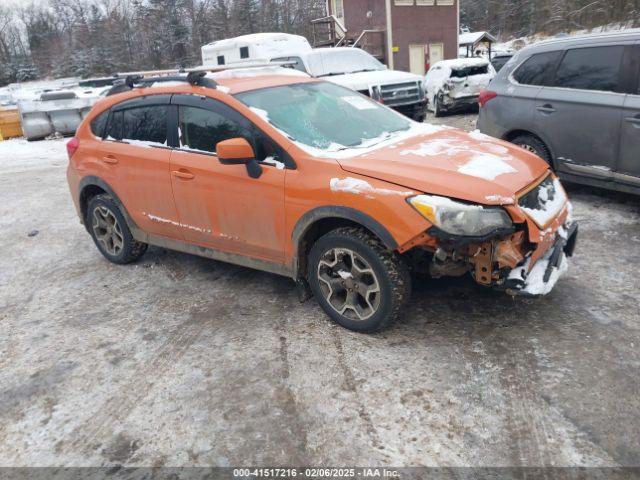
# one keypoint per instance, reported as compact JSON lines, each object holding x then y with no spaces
{"x":139,"y":154}
{"x":221,"y":206}
{"x":579,"y":115}
{"x":628,"y":167}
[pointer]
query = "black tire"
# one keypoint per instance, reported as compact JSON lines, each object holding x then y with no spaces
{"x":534,"y":145}
{"x":390,"y":273}
{"x":130,"y":249}
{"x":438,"y":111}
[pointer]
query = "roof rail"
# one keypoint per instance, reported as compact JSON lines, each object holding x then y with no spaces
{"x":195,"y":76}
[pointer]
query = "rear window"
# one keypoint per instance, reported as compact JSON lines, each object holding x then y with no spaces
{"x":537,"y":70}
{"x":499,"y":62}
{"x":99,"y":123}
{"x":146,"y":124}
{"x":596,"y":68}
{"x":114,"y":131}
{"x":469,"y":71}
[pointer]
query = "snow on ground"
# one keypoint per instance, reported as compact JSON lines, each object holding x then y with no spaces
{"x":19,"y":155}
{"x":95,"y":354}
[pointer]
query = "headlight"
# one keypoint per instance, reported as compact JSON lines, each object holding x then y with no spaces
{"x":458,"y":218}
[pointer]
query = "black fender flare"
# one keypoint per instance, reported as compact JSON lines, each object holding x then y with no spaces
{"x":338,"y":212}
{"x":92,"y":180}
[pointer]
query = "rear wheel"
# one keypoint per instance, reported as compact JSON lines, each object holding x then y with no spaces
{"x":358,"y":282}
{"x":110,"y":232}
{"x":534,"y":145}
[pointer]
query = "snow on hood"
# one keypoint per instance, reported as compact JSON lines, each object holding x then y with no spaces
{"x":452,"y":163}
{"x":365,"y":80}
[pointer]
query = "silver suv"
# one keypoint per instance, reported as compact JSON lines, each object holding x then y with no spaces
{"x":575,"y":102}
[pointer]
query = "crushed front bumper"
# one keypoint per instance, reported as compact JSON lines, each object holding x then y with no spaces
{"x":539,"y":279}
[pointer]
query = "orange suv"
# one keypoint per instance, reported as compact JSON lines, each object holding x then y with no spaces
{"x":270,"y":169}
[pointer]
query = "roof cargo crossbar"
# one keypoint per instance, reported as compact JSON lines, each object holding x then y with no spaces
{"x":195,"y":76}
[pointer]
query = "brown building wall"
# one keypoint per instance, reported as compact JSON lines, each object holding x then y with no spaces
{"x":412,"y":25}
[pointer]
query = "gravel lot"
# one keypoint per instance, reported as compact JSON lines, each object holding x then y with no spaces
{"x":179,"y":360}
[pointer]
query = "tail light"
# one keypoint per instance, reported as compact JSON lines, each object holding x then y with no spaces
{"x":72,"y":146}
{"x":485,"y":96}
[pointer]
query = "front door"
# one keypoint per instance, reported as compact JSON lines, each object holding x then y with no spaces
{"x":416,"y":59}
{"x":579,"y":114}
{"x":628,"y":167}
{"x":436,"y":53}
{"x":221,"y":206}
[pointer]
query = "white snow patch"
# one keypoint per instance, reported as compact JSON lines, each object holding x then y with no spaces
{"x":257,"y":72}
{"x":173,"y":83}
{"x":345,"y":275}
{"x":534,"y":281}
{"x":360,"y":187}
{"x":274,"y":162}
{"x":551,"y":207}
{"x":141,"y":143}
{"x":486,"y":166}
{"x":455,"y":146}
{"x":223,"y":89}
{"x":500,"y":199}
{"x":481,"y":137}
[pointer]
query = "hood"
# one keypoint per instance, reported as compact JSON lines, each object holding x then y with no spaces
{"x":452,"y":163}
{"x":365,"y":80}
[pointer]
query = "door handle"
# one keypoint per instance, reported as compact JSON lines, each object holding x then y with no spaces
{"x":547,"y":108}
{"x":110,"y":159}
{"x":183,"y":174}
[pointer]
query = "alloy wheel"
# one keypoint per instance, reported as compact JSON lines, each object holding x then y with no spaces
{"x":349,"y":284}
{"x":107,"y":230}
{"x":528,"y":148}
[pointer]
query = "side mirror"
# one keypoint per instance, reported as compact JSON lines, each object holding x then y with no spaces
{"x":235,"y":151}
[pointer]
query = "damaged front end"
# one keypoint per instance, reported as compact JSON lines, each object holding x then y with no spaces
{"x":525,"y":257}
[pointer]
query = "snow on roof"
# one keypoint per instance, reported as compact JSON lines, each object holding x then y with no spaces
{"x":257,"y":72}
{"x":256,"y":38}
{"x":464,"y":62}
{"x":472,"y":38}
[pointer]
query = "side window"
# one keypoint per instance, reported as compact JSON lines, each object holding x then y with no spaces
{"x":146,"y":124}
{"x":99,"y":123}
{"x":537,"y":70}
{"x":596,"y":68}
{"x":114,"y":130}
{"x":298,"y":65}
{"x":201,"y":129}
{"x":244,"y":52}
{"x":220,"y":59}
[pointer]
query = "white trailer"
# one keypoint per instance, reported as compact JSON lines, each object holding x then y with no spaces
{"x":257,"y":47}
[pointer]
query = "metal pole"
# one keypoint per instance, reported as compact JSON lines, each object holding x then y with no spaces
{"x":389,"y":34}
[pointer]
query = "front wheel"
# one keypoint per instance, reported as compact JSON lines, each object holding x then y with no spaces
{"x":534,"y":145}
{"x":359,"y":283}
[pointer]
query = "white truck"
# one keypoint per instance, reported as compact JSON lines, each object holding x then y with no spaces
{"x":347,"y":66}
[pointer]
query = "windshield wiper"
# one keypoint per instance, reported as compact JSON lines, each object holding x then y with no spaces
{"x":365,"y":70}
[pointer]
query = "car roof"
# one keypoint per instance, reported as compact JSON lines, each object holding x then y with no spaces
{"x":586,"y":39}
{"x":229,"y":82}
{"x":463,"y":62}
